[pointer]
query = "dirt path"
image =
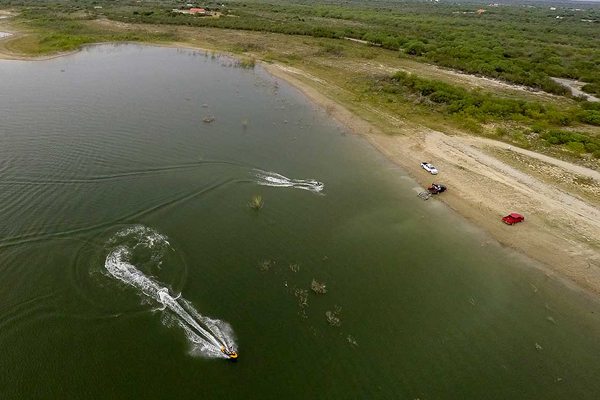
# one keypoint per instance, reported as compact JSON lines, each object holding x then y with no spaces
{"x":522,"y":190}
{"x":567,"y":166}
{"x":575,"y":88}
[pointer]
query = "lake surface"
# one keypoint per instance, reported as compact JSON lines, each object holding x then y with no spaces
{"x":105,"y":153}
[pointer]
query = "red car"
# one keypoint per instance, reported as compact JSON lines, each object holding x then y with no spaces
{"x":513,"y":218}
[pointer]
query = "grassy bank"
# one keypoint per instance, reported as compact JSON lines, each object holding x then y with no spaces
{"x":53,"y":31}
{"x":371,"y":81}
{"x":517,"y":43}
{"x":523,"y":45}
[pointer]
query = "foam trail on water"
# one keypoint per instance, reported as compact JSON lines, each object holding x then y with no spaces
{"x":267,"y":178}
{"x":207,"y":335}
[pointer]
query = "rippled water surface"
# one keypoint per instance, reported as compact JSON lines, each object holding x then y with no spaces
{"x":129,"y":254}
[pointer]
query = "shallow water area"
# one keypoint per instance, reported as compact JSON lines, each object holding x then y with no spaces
{"x":127,"y":230}
{"x":4,"y":34}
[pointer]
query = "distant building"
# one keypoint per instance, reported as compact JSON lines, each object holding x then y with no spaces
{"x":192,"y":11}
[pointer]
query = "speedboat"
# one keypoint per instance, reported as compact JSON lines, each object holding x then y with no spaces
{"x":232,"y":355}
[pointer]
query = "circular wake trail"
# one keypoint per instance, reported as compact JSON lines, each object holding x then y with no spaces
{"x":268,"y":178}
{"x":207,"y":336}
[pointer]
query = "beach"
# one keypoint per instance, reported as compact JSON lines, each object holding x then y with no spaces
{"x":561,"y":230}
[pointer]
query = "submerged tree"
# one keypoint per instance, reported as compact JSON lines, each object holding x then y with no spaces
{"x":302,"y":296}
{"x":333,"y":317}
{"x":265,"y":265}
{"x":318,"y":287}
{"x":256,"y":203}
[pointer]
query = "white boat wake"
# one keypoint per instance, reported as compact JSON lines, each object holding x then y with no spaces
{"x":207,"y":336}
{"x":266,"y":178}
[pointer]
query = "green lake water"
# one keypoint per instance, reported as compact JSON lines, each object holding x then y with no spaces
{"x":107,"y":149}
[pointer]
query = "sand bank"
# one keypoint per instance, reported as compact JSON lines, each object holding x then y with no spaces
{"x":562,"y":229}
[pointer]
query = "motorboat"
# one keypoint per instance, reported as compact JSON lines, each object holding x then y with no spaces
{"x":232,"y":355}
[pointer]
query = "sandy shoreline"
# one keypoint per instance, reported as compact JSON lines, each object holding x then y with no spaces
{"x":562,"y":230}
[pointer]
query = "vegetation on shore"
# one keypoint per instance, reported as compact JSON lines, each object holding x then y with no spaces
{"x":482,"y":106}
{"x":409,"y":32}
{"x":542,"y":119}
{"x":53,"y":31}
{"x":523,"y":45}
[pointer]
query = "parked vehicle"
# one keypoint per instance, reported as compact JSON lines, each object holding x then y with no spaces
{"x":513,"y":218}
{"x":436,"y":188}
{"x":429,"y":168}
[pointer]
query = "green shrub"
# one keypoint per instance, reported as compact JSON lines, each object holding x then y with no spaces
{"x":592,"y":147}
{"x":577,"y":147}
{"x":559,"y":118}
{"x":575,"y":141}
{"x":563,"y":137}
{"x":591,"y":117}
{"x":415,"y":48}
{"x":539,"y":127}
{"x":482,"y":106}
{"x":593,"y":88}
{"x":469,"y":124}
{"x":501,"y":131}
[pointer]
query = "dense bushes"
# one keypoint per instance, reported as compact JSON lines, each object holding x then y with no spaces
{"x":524,"y":46}
{"x":574,"y":141}
{"x":57,"y":31}
{"x":483,"y":106}
{"x":473,"y":44}
{"x":473,"y":105}
{"x":591,"y":113}
{"x":591,"y":117}
{"x":415,"y":48}
{"x":456,"y":100}
{"x":521,"y":45}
